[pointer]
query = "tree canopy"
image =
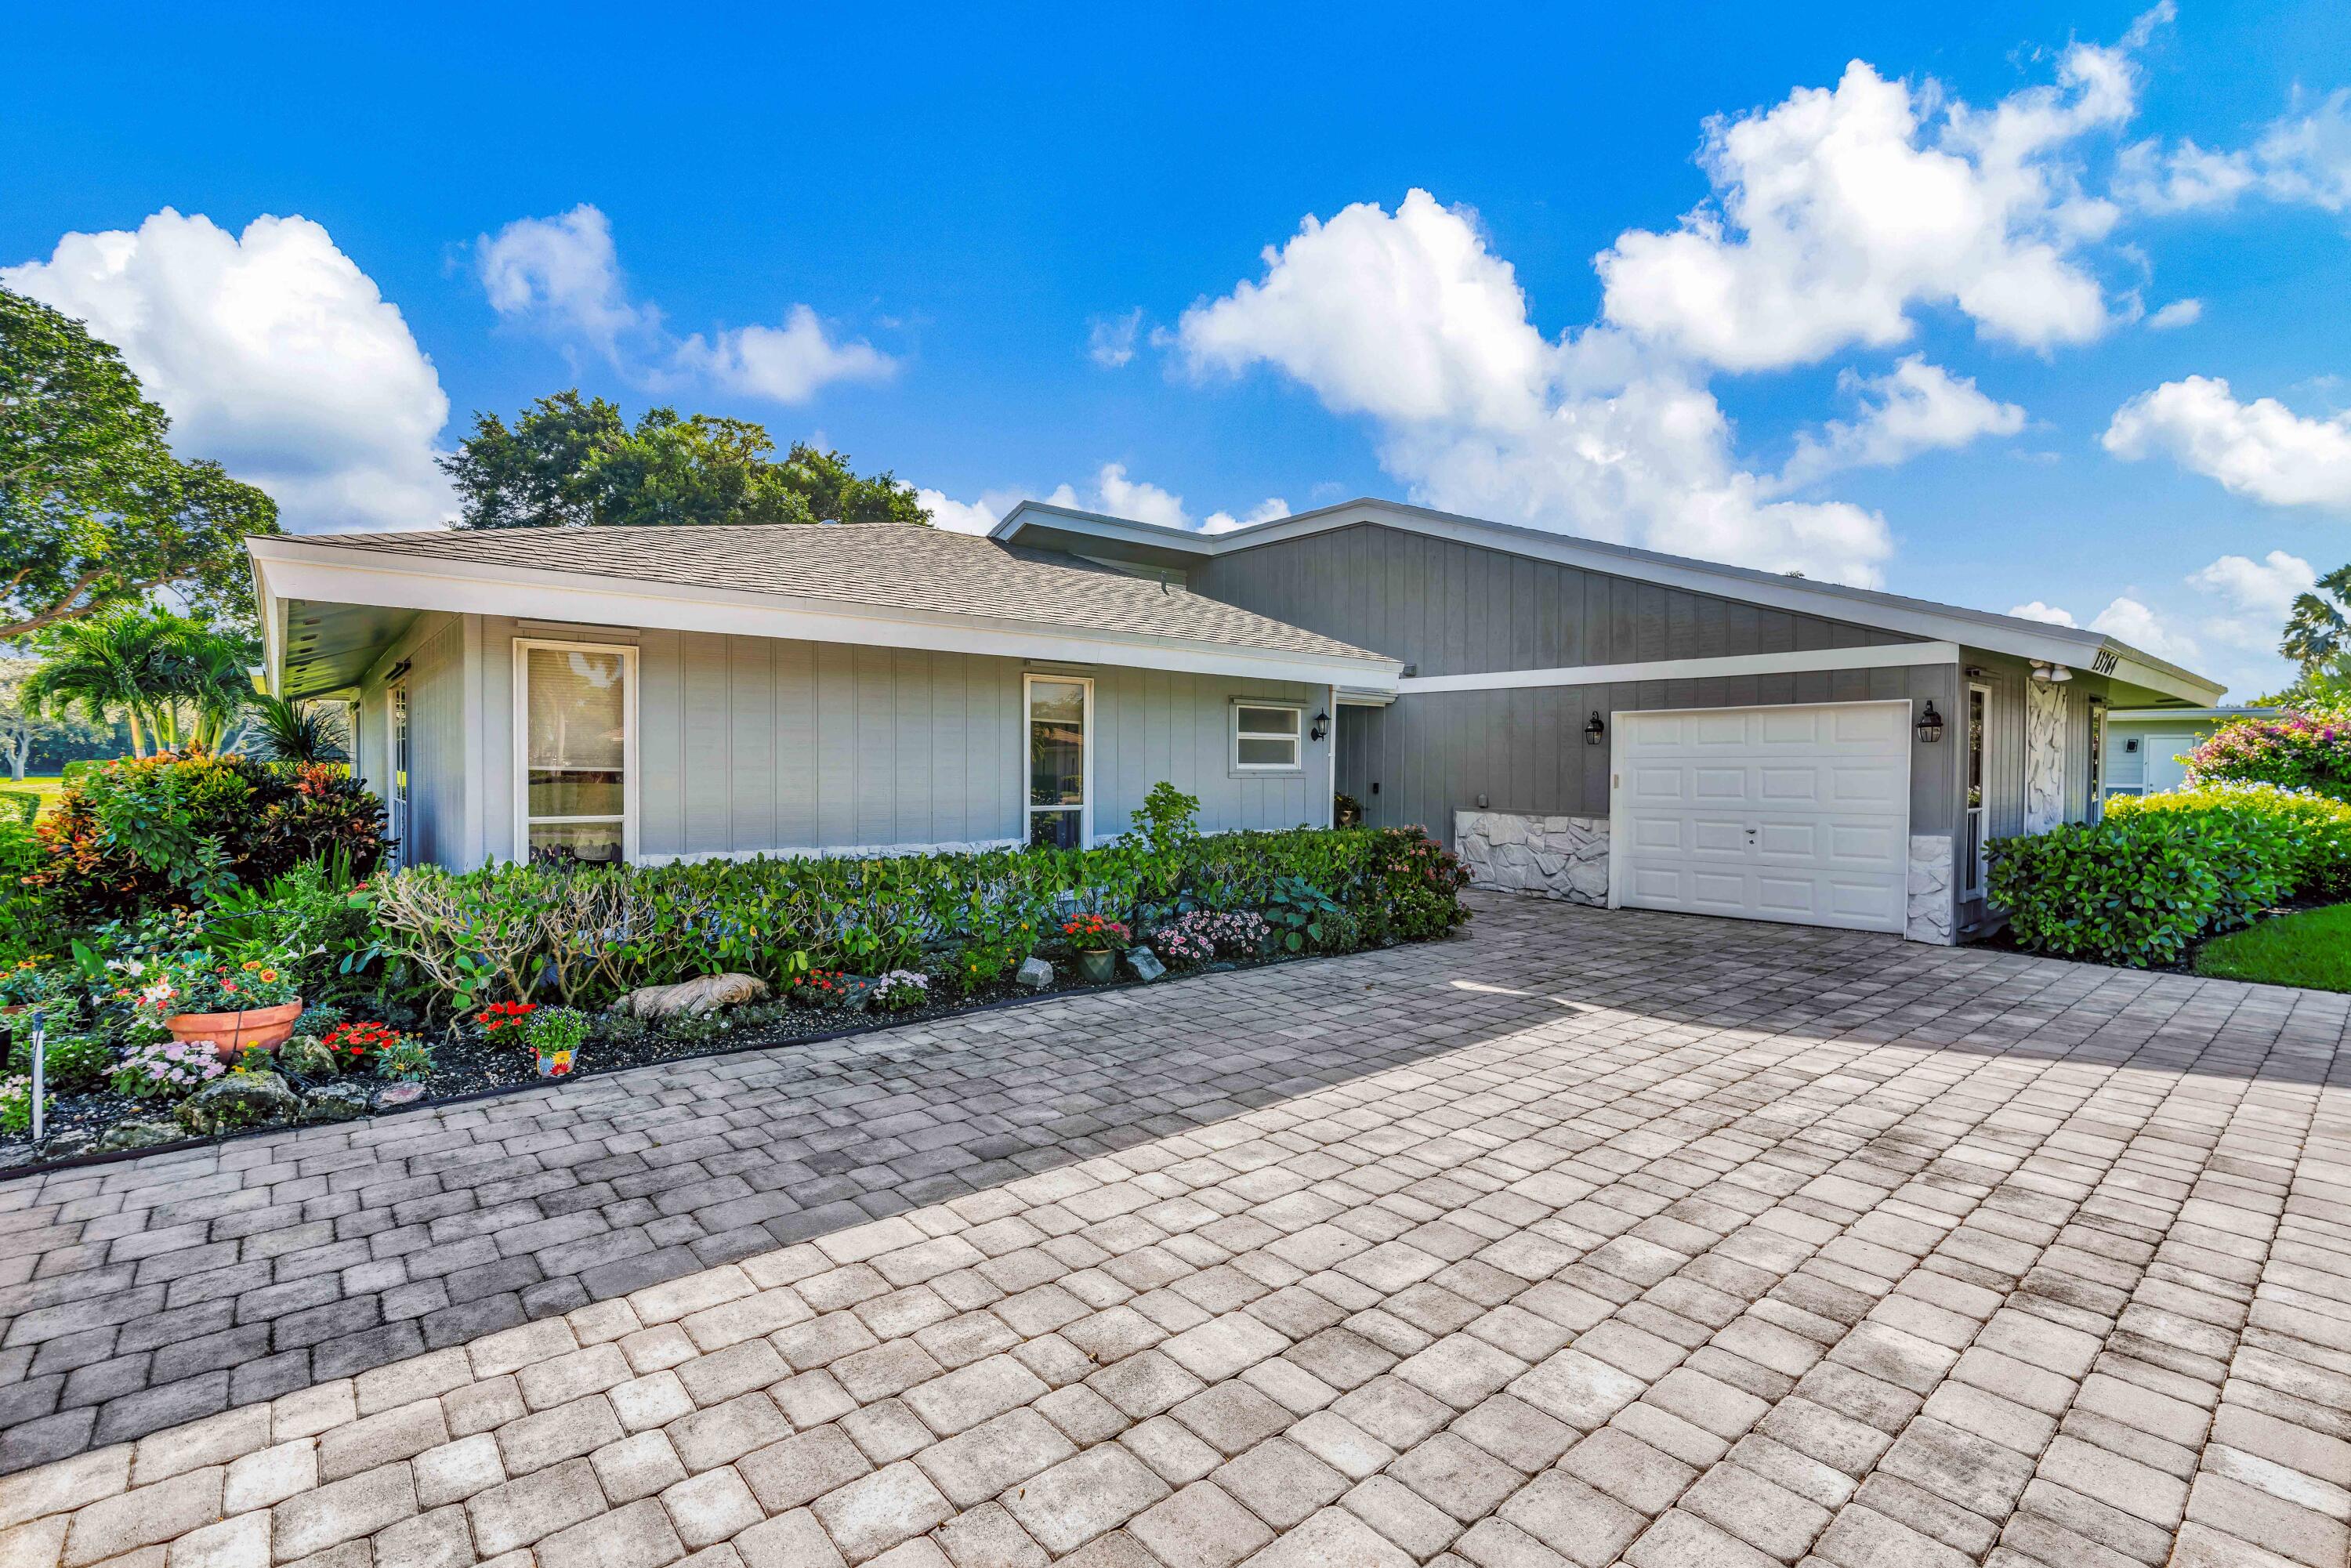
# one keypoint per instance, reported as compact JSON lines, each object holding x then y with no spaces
{"x":95,"y":510}
{"x":569,"y":460}
{"x":179,"y":680}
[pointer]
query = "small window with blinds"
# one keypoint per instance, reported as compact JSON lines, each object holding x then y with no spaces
{"x":1266,"y":737}
{"x":575,"y":735}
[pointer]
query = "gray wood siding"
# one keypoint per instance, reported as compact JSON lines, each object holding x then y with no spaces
{"x":2004,"y":787}
{"x":1451,"y":608}
{"x":752,"y":743}
{"x":1433,"y":753}
{"x":436,"y":745}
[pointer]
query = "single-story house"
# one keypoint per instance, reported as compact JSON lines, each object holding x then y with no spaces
{"x":2146,"y":747}
{"x":1598,"y":723}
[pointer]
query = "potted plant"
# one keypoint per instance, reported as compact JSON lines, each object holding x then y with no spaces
{"x":205,"y":999}
{"x":1346,"y":811}
{"x":555,"y":1036}
{"x":1098,"y":942}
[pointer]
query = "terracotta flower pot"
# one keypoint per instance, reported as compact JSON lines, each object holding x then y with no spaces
{"x":229,"y":1033}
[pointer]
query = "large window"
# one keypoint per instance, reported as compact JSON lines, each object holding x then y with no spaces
{"x":1060,"y":721}
{"x":575,"y":733}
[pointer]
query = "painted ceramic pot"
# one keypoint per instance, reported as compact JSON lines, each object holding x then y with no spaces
{"x":1098,"y":965}
{"x":230,"y":1033}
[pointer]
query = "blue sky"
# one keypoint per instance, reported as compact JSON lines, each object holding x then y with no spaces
{"x":1903,"y":323}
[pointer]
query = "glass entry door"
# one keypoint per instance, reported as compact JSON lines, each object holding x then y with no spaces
{"x":396,"y":812}
{"x":1060,"y":722}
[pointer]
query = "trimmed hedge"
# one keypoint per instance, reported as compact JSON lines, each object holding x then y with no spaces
{"x":2162,"y":872}
{"x":582,"y":937}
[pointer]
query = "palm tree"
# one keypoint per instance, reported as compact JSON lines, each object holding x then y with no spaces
{"x":182,"y":682}
{"x":287,"y":731}
{"x":203,"y":677}
{"x":98,"y":664}
{"x":2318,"y":633}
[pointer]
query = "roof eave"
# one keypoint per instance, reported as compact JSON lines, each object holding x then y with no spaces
{"x":314,"y":569}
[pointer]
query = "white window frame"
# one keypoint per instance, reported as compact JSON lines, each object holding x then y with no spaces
{"x":1978,"y":872}
{"x":1297,"y":737}
{"x":630,"y":771}
{"x":399,"y":781}
{"x":1028,"y":808}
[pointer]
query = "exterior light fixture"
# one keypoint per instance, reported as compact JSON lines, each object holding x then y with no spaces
{"x":1594,"y":729}
{"x":1322,"y":726}
{"x":2050,"y":674}
{"x":1930,"y":724}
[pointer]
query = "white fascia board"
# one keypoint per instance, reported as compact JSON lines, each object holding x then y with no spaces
{"x":2133,"y":669}
{"x":2074,"y":647}
{"x":304,"y":570}
{"x":2173,"y":715}
{"x":1891,"y":656}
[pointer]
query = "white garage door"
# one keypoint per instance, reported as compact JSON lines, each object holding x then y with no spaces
{"x":1799,"y":814}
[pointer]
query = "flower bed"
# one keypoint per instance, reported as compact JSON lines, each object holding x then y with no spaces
{"x":432,"y":985}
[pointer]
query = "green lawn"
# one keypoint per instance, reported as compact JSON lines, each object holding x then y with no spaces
{"x":2312,"y":948}
{"x":47,"y":788}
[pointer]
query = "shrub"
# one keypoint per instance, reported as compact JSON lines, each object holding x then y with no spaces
{"x":24,"y":921}
{"x":2161,"y":872}
{"x":177,"y":832}
{"x":2314,"y":828}
{"x":581,"y":936}
{"x":2300,"y":750}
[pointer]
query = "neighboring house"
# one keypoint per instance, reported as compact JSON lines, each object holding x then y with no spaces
{"x":2146,"y":746}
{"x":1603,"y":724}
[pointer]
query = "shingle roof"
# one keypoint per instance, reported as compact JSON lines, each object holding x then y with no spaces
{"x":891,"y":566}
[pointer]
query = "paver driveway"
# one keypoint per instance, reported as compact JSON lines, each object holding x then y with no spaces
{"x":1586,"y":1238}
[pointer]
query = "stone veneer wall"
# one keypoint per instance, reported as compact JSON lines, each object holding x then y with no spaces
{"x":2045,"y":756}
{"x":1559,"y":857}
{"x":1932,"y":860}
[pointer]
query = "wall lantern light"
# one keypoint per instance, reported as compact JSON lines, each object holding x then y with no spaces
{"x":1594,"y":729}
{"x":1930,"y":724}
{"x":1322,"y":726}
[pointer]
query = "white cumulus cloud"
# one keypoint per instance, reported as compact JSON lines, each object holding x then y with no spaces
{"x":2302,"y":158}
{"x":2130,"y":621}
{"x":273,"y":354}
{"x":2037,"y":611}
{"x":1111,"y":491}
{"x":2260,"y":448}
{"x":2178,"y":313}
{"x":562,"y":275}
{"x":2256,"y":596}
{"x":1914,"y":408}
{"x":1838,"y":212}
{"x":1410,"y":319}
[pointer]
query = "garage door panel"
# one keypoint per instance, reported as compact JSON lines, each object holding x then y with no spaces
{"x":1796,"y":813}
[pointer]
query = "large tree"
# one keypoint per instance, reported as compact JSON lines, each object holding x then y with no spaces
{"x":569,"y":460}
{"x":95,"y":510}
